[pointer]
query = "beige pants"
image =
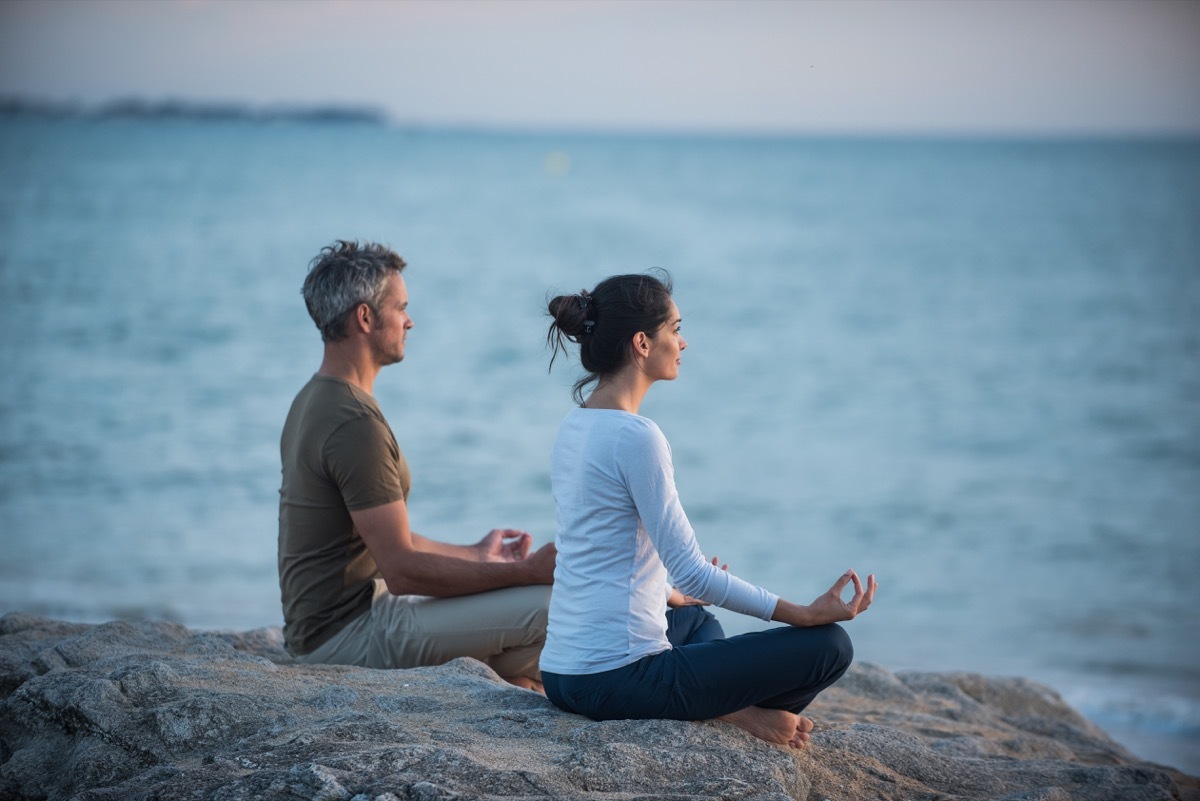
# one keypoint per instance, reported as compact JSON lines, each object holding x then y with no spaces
{"x":503,"y":628}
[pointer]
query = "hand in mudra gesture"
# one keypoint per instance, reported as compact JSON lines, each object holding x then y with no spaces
{"x":831,"y":608}
{"x":504,"y":545}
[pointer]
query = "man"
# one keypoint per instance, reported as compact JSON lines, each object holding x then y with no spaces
{"x":358,"y":585}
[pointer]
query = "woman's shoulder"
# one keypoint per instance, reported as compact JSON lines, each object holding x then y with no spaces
{"x":616,"y":419}
{"x":641,"y":434}
{"x":613,"y":424}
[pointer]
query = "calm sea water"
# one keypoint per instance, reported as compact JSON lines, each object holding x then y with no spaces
{"x":972,"y":368}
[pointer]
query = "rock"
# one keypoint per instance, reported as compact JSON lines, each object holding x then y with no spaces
{"x":149,"y":710}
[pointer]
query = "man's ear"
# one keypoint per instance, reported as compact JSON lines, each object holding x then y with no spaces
{"x":364,"y":319}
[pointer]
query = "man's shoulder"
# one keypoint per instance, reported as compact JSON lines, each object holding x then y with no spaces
{"x":333,"y":398}
{"x":328,"y":410}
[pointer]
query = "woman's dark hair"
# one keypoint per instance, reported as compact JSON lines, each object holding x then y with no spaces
{"x":604,"y":321}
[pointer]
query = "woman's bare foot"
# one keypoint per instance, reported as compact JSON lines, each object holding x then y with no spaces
{"x":773,"y":725}
{"x":527,"y":683}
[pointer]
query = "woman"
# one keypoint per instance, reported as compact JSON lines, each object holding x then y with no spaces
{"x":622,"y":642}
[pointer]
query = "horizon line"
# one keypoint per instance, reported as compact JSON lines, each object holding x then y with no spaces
{"x":139,"y":107}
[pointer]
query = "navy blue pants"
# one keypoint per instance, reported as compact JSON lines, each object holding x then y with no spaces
{"x":706,"y":675}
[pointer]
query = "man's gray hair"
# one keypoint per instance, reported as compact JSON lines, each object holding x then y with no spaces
{"x":342,"y":276}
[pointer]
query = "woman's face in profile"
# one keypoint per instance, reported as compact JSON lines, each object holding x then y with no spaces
{"x":666,"y":348}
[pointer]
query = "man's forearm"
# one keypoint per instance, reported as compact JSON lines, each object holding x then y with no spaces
{"x":414,"y":565}
{"x":427,"y":545}
{"x":437,"y":574}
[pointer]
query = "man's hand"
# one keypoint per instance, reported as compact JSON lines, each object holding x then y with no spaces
{"x":541,"y":564}
{"x":504,"y":545}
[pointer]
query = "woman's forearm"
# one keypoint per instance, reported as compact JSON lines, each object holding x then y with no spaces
{"x":793,"y":614}
{"x":829,"y":606}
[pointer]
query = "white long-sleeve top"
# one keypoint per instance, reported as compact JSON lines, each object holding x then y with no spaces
{"x":621,"y":533}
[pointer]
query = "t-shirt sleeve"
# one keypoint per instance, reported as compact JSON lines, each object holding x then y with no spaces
{"x":363,"y":459}
{"x":645,"y":460}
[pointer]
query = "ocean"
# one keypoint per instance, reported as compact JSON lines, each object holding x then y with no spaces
{"x":971,"y":367}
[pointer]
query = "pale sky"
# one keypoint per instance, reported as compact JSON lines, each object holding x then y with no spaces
{"x":859,"y":66}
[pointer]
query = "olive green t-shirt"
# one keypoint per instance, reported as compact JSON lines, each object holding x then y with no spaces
{"x":338,"y":455}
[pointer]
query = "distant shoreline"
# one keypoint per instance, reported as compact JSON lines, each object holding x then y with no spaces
{"x":133,"y":108}
{"x":140,"y":109}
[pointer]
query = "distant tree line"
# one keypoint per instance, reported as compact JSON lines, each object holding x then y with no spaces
{"x":137,"y":108}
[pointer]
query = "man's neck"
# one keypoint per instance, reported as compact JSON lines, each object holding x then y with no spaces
{"x":355,"y":368}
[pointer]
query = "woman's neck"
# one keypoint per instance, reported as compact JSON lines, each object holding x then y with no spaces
{"x":622,"y":392}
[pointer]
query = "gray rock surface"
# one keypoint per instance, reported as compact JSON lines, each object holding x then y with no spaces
{"x":149,"y":710}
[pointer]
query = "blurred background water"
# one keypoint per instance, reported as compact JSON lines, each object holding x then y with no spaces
{"x":971,"y":367}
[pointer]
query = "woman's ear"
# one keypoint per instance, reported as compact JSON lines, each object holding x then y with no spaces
{"x":641,"y":344}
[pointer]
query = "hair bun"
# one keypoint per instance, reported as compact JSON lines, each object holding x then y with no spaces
{"x":571,"y":313}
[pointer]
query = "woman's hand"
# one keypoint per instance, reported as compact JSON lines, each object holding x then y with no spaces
{"x":678,"y":599}
{"x":829,"y":607}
